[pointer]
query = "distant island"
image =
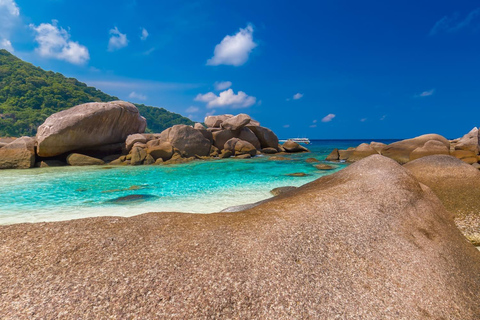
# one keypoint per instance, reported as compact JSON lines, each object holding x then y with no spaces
{"x":29,"y":95}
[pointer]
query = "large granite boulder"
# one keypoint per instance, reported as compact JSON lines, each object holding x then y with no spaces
{"x":220,"y":137}
{"x":18,"y":154}
{"x":230,"y":144}
{"x":206,"y":134}
{"x":378,"y":146}
{"x":431,"y":147}
{"x":247,"y":135}
{"x":158,"y":149}
{"x":368,"y":242}
{"x":216,"y":121}
{"x":267,"y":138}
{"x":469,"y":142}
{"x":457,"y":184}
{"x":77,"y":159}
{"x":134,"y":138}
{"x":400,"y":150}
{"x":333,"y":156}
{"x":88,"y":125}
{"x":292,"y":146}
{"x":244,"y":148}
{"x":237,"y":122}
{"x":362,"y":151}
{"x":186,"y":139}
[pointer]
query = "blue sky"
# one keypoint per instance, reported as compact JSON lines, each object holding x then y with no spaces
{"x":320,"y":69}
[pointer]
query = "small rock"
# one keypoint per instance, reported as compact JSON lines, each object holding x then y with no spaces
{"x":282,"y":190}
{"x":297,"y":174}
{"x":77,"y":159}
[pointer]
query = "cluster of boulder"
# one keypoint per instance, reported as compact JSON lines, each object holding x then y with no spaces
{"x":466,"y":149}
{"x":113,"y":132}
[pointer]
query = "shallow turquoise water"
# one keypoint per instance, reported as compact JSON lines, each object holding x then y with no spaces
{"x":53,"y":194}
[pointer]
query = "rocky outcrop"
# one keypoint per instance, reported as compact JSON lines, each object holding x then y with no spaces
{"x":467,"y":156}
{"x":457,"y":184}
{"x":216,"y":121}
{"x":431,"y":147}
{"x":267,"y":138}
{"x":247,"y":135}
{"x":134,"y":138}
{"x":469,"y":142}
{"x":187,"y":140}
{"x":400,"y":151}
{"x":333,"y":156}
{"x":76,"y":159}
{"x":236,"y":123}
{"x":362,"y":151}
{"x":368,"y":242}
{"x":244,"y":148}
{"x":158,"y":149}
{"x":292,"y":146}
{"x":18,"y":154}
{"x":221,"y":137}
{"x":88,"y":125}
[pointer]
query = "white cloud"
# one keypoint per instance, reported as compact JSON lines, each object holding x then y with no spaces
{"x":286,"y":126}
{"x":54,"y":42}
{"x":138,"y":96}
{"x":117,"y":40}
{"x":7,"y":45}
{"x":211,"y":113}
{"x":192,"y":109}
{"x":297,"y":96}
{"x":363,"y":119}
{"x":10,"y":7}
{"x":144,"y":35}
{"x":426,"y":93}
{"x":453,"y":23}
{"x":227,"y":98}
{"x":329,"y":117}
{"x":222,"y":85}
{"x":234,"y":50}
{"x":9,"y":13}
{"x":314,"y":121}
{"x":313,"y":126}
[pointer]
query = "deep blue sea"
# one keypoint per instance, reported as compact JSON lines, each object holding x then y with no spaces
{"x":64,"y":193}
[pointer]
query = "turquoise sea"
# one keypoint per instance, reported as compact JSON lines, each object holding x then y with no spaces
{"x":64,"y":193}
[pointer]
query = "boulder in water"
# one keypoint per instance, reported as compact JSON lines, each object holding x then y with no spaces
{"x":18,"y":154}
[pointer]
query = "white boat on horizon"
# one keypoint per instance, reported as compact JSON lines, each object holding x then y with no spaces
{"x":297,"y":140}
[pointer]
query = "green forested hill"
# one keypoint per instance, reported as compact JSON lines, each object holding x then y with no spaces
{"x":29,"y":94}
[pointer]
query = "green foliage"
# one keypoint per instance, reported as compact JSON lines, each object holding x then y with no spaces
{"x":28,"y":95}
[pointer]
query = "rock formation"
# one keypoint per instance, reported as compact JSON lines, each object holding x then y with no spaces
{"x":88,"y":125}
{"x":18,"y":154}
{"x":368,"y":242}
{"x":457,"y":184}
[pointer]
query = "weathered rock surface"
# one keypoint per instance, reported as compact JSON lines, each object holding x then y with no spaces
{"x":292,"y":146}
{"x":138,"y":154}
{"x":187,"y":140}
{"x":457,"y":184}
{"x":368,"y":242}
{"x":362,"y":151}
{"x":345,"y":154}
{"x":467,"y":156}
{"x":88,"y":125}
{"x":378,"y":146}
{"x":269,"y":150}
{"x":333,"y":156}
{"x":134,"y":138}
{"x":220,"y":137}
{"x":469,"y":142}
{"x":248,"y":135}
{"x":244,"y":148}
{"x":206,"y":134}
{"x":237,"y":122}
{"x":267,"y":138}
{"x":216,"y":121}
{"x":77,"y":159}
{"x":158,"y":149}
{"x":431,"y":147}
{"x":400,"y":150}
{"x":323,"y":166}
{"x":18,"y":154}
